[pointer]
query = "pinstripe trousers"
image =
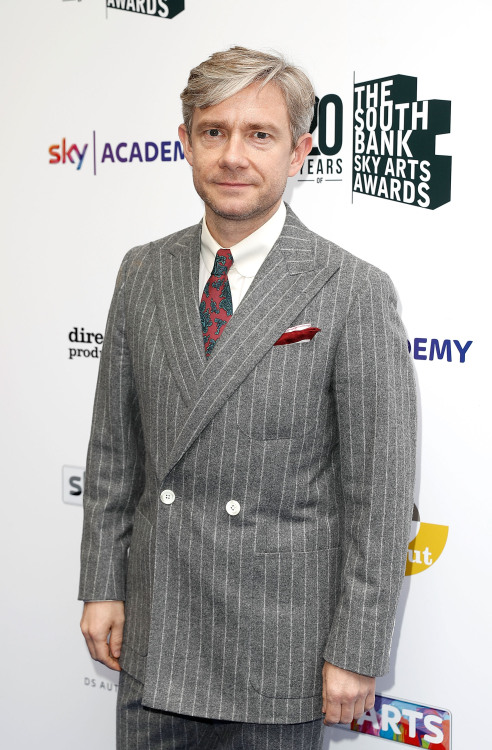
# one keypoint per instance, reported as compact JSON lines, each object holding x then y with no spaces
{"x":141,"y":728}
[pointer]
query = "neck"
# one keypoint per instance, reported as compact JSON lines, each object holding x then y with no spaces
{"x":228,"y":232}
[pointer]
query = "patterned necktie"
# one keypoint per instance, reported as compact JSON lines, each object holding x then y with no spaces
{"x":216,"y":304}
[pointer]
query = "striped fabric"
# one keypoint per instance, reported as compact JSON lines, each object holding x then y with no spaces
{"x":140,"y":728}
{"x":231,"y":616}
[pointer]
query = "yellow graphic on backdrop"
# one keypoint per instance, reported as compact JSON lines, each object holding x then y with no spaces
{"x":426,"y":547}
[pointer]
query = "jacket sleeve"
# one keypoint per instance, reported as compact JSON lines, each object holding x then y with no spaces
{"x":376,"y":408}
{"x":115,"y":463}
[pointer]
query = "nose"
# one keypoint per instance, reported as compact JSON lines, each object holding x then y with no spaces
{"x":234,"y":153}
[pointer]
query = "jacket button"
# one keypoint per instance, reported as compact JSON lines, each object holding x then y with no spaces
{"x":168,"y":497}
{"x":233,"y":508}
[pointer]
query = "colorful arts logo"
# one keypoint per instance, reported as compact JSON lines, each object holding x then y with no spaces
{"x":427,"y":542}
{"x":407,"y":723}
{"x":158,"y":8}
{"x":395,"y":143}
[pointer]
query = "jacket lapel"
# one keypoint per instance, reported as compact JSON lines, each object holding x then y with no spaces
{"x":294,"y":271}
{"x":176,"y":295}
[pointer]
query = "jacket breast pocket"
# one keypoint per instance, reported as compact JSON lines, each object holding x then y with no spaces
{"x":294,"y":597}
{"x":139,"y":586}
{"x":282,"y":398}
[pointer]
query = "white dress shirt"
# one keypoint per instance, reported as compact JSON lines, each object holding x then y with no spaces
{"x":248,"y":255}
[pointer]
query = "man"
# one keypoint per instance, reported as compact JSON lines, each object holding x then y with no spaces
{"x":260,"y":464}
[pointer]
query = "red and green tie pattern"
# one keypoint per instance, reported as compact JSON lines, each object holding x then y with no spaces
{"x":216,"y":303}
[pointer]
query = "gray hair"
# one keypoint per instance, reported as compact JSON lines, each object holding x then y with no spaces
{"x":226,"y":73}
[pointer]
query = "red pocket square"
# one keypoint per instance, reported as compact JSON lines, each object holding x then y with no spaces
{"x":297,"y":333}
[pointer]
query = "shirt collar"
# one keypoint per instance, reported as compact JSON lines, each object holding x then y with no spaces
{"x":250,"y":253}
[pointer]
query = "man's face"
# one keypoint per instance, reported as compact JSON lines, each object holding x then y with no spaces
{"x":241,"y":153}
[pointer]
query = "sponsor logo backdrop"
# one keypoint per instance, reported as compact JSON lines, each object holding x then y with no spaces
{"x":91,"y":167}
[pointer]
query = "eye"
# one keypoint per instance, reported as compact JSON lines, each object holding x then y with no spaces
{"x":261,"y":136}
{"x":212,"y":132}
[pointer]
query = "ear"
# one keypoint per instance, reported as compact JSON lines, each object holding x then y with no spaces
{"x":186,"y":143}
{"x":302,"y":149}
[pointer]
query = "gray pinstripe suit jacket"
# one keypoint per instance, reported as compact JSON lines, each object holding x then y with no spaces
{"x":231,"y":616}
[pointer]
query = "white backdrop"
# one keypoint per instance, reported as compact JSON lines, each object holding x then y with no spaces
{"x":76,"y":70}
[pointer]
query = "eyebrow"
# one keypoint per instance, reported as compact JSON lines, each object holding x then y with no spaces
{"x":268,"y":127}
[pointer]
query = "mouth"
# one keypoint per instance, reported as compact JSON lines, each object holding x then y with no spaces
{"x":233,"y":184}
